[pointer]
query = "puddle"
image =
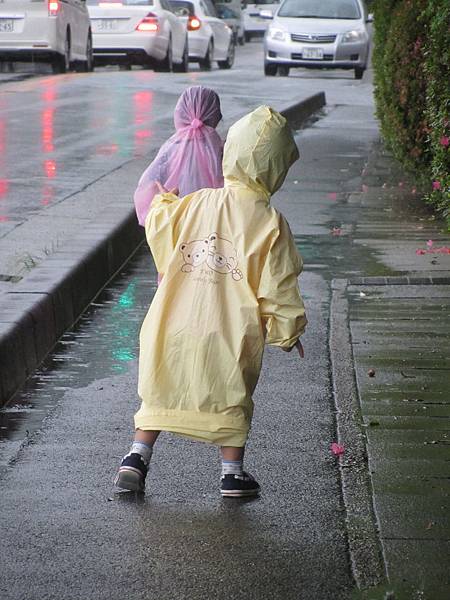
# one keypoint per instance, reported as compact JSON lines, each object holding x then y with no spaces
{"x":103,"y":343}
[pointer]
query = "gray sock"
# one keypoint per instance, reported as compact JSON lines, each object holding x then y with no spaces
{"x":232,"y":467}
{"x":145,"y":450}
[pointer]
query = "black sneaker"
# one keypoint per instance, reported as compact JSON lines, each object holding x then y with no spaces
{"x":238,"y":486}
{"x":132,"y":473}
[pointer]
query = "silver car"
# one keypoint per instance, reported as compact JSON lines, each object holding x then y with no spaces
{"x":326,"y":34}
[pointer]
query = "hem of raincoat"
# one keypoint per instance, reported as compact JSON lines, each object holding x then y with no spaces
{"x":214,"y":429}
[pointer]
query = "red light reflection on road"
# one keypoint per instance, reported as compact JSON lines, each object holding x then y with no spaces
{"x":142,"y":103}
{"x":47,"y":130}
{"x":50,"y":168}
{"x":3,"y":187}
{"x":47,"y":195}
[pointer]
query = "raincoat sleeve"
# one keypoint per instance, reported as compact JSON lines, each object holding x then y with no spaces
{"x":162,"y":227}
{"x":280,"y":304}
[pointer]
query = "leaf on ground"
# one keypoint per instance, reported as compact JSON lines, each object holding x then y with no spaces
{"x":337,"y":449}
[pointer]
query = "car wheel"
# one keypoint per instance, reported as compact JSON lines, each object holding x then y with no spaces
{"x":247,"y":36}
{"x":86,"y":66}
{"x":283,"y":70}
{"x":229,"y":61}
{"x":183,"y":67}
{"x":270,"y":69}
{"x":359,"y":72}
{"x":166,"y":65}
{"x":61,"y":62}
{"x":206,"y":62}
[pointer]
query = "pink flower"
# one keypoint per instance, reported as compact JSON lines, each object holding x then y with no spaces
{"x":430,"y":243}
{"x":444,"y":141}
{"x":420,"y":251}
{"x":337,"y":449}
{"x":436,"y":185}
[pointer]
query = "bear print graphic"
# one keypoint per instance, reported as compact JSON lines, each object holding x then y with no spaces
{"x":218,"y":253}
{"x":194,"y":254}
{"x":222,"y":256}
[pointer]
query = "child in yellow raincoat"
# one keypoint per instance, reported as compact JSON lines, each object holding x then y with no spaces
{"x":230,"y":270}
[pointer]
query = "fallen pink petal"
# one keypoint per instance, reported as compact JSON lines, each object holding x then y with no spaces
{"x":420,"y":251}
{"x":332,"y":196}
{"x":442,"y":250}
{"x":436,"y":185}
{"x":365,"y":188}
{"x":444,"y":141}
{"x":337,"y":449}
{"x":336,"y":231}
{"x":414,"y":190}
{"x":400,"y":184}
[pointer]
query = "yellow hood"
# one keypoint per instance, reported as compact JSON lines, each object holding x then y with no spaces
{"x":259,"y":151}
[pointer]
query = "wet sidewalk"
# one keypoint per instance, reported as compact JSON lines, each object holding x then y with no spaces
{"x":309,"y":536}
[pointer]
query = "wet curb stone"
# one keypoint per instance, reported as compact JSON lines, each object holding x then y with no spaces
{"x":364,"y":545}
{"x":51,"y":299}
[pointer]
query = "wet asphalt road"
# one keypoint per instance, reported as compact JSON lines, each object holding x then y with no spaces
{"x":65,"y":534}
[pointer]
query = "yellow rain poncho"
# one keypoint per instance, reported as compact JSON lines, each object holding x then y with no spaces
{"x":230,"y":270}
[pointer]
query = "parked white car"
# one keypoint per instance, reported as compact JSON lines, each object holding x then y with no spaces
{"x":230,"y":11}
{"x":210,"y":38}
{"x":331,"y":34}
{"x":54,"y":31}
{"x":143,"y":32}
{"x":257,"y":17}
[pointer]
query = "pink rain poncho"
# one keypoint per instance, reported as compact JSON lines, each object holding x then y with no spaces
{"x":191,"y":159}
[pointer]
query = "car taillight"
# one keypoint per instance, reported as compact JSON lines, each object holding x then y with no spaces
{"x":148,"y":24}
{"x":53,"y":8}
{"x":194,"y":23}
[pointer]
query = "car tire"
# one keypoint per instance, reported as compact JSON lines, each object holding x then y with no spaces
{"x":183,"y":67}
{"x":359,"y":72}
{"x":206,"y":62}
{"x":87,"y":66}
{"x":270,"y":69}
{"x":283,"y":70}
{"x":166,"y":65}
{"x":61,"y":62}
{"x":229,"y":61}
{"x":247,"y":36}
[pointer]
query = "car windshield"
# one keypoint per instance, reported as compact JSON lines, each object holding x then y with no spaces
{"x":112,"y":3}
{"x":325,"y":9}
{"x":182,"y":8}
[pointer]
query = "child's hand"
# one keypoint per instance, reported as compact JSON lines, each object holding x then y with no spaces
{"x":162,"y":189}
{"x":299,"y":346}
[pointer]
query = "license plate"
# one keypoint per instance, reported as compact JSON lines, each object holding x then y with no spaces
{"x":107,"y":25}
{"x":7,"y":25}
{"x":314,"y":53}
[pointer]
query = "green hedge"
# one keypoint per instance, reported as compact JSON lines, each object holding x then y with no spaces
{"x":412,"y":88}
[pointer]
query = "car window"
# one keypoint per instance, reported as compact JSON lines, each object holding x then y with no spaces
{"x":120,"y":2}
{"x":210,"y":8}
{"x":182,"y":8}
{"x":325,"y":9}
{"x":165,"y":5}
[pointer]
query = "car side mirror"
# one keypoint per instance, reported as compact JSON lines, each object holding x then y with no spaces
{"x":369,"y":18}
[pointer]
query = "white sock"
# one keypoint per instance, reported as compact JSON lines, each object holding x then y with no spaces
{"x":145,"y":450}
{"x":232,"y":467}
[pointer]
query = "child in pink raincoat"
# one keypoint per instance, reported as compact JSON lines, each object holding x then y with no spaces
{"x":191,"y":159}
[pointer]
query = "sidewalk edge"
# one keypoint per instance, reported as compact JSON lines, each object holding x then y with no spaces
{"x":364,"y":543}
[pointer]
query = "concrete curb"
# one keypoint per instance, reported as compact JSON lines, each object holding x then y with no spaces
{"x":55,"y":294}
{"x":364,"y":544}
